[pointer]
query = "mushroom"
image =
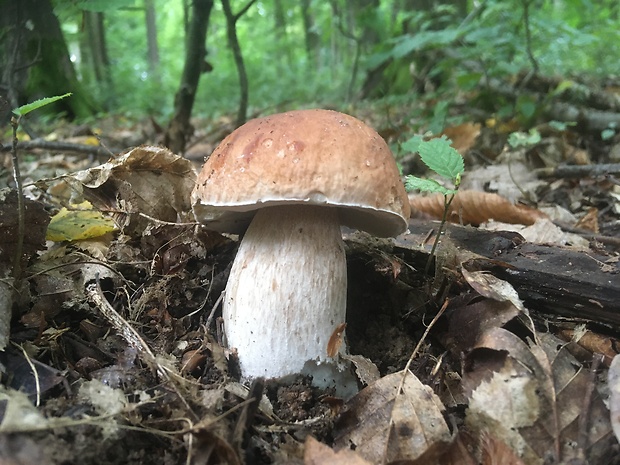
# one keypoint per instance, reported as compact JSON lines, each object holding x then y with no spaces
{"x":288,"y":181}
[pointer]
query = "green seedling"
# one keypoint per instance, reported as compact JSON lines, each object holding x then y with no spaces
{"x":19,"y":113}
{"x":444,"y":160}
{"x":524,"y":139}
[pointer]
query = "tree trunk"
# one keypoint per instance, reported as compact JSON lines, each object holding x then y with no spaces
{"x":233,"y":42}
{"x":180,"y":129}
{"x":151,"y":39}
{"x":279,"y":17}
{"x":36,"y":59}
{"x":311,"y":37}
{"x":95,"y":52}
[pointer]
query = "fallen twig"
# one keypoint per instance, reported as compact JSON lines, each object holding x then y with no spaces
{"x":578,"y":171}
{"x":60,"y":146}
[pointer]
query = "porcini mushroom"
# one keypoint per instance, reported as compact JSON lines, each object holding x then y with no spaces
{"x":289,"y":181}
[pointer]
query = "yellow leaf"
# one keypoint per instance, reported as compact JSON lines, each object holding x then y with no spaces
{"x":81,"y":222}
{"x":91,"y":140}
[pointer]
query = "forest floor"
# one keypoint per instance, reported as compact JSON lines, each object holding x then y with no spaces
{"x":113,"y":353}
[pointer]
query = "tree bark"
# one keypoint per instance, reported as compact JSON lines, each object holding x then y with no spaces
{"x":180,"y":129}
{"x":95,"y":60}
{"x":151,"y":39}
{"x":550,"y":280}
{"x":36,"y":59}
{"x":279,"y":16}
{"x":233,"y":42}
{"x":310,"y":35}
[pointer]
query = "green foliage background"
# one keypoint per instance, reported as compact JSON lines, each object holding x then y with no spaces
{"x":569,"y":38}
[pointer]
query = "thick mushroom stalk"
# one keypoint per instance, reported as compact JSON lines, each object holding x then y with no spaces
{"x":296,"y":176}
{"x":286,"y":293}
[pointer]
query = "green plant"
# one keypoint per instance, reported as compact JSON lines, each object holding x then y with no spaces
{"x":20,"y":112}
{"x":524,"y":139}
{"x":444,"y":160}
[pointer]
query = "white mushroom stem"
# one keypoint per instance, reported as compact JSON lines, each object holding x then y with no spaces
{"x":287,"y":290}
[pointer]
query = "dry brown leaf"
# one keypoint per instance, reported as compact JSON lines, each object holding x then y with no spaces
{"x":468,"y":321}
{"x":589,"y":221}
{"x":613,"y":379}
{"x":458,"y":452}
{"x":474,"y":207}
{"x":335,"y":340}
{"x":316,"y":453}
{"x":462,"y":136}
{"x":385,"y":426}
{"x":146,"y":180}
{"x":535,"y":402}
{"x":492,"y":287}
{"x":543,"y":231}
{"x":365,"y":370}
{"x":593,"y":343}
{"x":209,"y":447}
{"x":495,"y":452}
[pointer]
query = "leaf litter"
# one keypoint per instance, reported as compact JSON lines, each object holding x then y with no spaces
{"x":117,"y":359}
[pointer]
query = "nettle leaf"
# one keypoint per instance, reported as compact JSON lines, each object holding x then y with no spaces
{"x":442,"y":158}
{"x":25,"y":109}
{"x":412,"y":145}
{"x":426,"y":185}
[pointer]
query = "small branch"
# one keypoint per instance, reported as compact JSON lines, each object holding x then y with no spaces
{"x":124,"y":329}
{"x":447,"y":202}
{"x":578,"y":171}
{"x":528,"y":35}
{"x":59,"y":146}
{"x":243,"y":10}
{"x":21,"y":209}
{"x":133,"y":338}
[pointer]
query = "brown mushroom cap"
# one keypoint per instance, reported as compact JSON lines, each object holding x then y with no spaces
{"x":309,"y":157}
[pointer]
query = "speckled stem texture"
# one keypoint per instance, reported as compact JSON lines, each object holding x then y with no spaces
{"x":287,"y":290}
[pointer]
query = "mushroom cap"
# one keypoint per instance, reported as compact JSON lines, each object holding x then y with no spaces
{"x":309,"y":157}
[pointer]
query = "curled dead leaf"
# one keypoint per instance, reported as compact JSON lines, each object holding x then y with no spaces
{"x":474,"y":207}
{"x":146,"y":180}
{"x":493,"y":288}
{"x":335,"y":340}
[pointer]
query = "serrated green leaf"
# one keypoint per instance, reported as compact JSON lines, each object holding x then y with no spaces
{"x":426,"y":185}
{"x":442,"y":158}
{"x":25,"y":109}
{"x":412,"y":145}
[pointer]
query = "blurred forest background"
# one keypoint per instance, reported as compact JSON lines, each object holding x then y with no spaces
{"x":131,"y":57}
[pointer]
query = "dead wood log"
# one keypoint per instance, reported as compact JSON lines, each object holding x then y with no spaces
{"x":588,"y":119}
{"x":568,"y":284}
{"x":576,"y":93}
